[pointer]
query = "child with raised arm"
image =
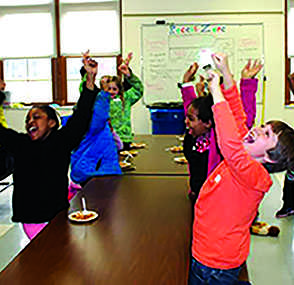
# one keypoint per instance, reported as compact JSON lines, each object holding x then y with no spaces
{"x":200,"y":148}
{"x":123,"y":101}
{"x":42,"y":157}
{"x":229,"y":198}
{"x":97,"y":153}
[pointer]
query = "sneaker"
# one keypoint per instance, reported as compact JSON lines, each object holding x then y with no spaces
{"x":284,"y":212}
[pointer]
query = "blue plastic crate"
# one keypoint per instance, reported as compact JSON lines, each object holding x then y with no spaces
{"x":168,"y":121}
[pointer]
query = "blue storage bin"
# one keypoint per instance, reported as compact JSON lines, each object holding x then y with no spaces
{"x":168,"y":121}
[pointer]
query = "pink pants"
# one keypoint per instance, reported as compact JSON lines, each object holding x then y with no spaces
{"x":32,"y":230}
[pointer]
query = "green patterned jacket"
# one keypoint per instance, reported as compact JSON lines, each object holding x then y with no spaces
{"x":121,"y":118}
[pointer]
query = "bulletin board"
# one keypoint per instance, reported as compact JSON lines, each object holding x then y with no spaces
{"x":169,"y":49}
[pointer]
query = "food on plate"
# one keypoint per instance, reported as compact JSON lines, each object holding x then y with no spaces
{"x":83,"y":216}
{"x":181,"y":160}
{"x":128,"y":153}
{"x":124,"y":164}
{"x":138,"y":145}
{"x":176,"y":148}
{"x":180,"y":138}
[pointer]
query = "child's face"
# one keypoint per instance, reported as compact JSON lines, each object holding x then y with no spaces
{"x":112,"y":89}
{"x":38,"y":125}
{"x":195,"y":125}
{"x":259,"y":140}
{"x":104,"y":82}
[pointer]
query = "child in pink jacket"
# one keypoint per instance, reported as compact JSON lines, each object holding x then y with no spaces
{"x":200,"y":149}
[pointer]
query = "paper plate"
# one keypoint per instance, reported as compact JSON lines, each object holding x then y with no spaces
{"x":138,"y":145}
{"x":176,"y":148}
{"x":180,"y":138}
{"x":83,"y":216}
{"x":126,"y":153}
{"x":124,"y":164}
{"x":181,"y":160}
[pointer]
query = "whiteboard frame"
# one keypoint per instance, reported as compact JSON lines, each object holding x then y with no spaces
{"x":261,"y":87}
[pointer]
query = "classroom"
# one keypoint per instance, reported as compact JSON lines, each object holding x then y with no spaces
{"x":145,"y":221}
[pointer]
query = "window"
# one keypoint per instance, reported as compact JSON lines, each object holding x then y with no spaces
{"x":290,"y":28}
{"x":97,"y":31}
{"x":23,"y":2}
{"x":23,"y":35}
{"x":102,"y":38}
{"x":29,"y":80}
{"x":106,"y":66}
{"x":35,"y":33}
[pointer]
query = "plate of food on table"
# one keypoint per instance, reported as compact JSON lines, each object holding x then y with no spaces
{"x":137,"y":145}
{"x":180,"y":160}
{"x":130,"y":153}
{"x":176,"y":148}
{"x":83,"y":216}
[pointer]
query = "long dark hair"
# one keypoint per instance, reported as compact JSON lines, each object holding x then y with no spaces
{"x":203,"y":105}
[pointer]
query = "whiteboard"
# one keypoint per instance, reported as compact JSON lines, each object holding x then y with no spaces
{"x":169,"y":49}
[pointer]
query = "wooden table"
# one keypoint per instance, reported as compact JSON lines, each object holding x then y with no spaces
{"x":142,"y":237}
{"x":155,"y":159}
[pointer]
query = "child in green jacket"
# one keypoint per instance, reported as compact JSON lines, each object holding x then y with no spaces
{"x":122,"y":101}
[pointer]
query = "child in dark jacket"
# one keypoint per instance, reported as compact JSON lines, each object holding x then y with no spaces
{"x":42,"y":158}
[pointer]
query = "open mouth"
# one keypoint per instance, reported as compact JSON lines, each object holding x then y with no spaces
{"x":250,"y":137}
{"x":32,"y":130}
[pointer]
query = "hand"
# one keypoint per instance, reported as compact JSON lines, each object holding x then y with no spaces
{"x":214,"y":87}
{"x":91,"y":67}
{"x":85,"y":56}
{"x":213,"y":80}
{"x":200,"y":86}
{"x":128,"y":59}
{"x":221,"y":62}
{"x":124,"y":67}
{"x":190,"y":73}
{"x":251,"y":69}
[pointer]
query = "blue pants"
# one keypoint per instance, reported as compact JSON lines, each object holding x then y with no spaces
{"x":200,"y":274}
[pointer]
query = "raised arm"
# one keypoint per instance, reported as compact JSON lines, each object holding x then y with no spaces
{"x":248,"y":89}
{"x":135,"y":93}
{"x":231,"y":92}
{"x":187,"y":88}
{"x":78,"y":123}
{"x":228,"y":136}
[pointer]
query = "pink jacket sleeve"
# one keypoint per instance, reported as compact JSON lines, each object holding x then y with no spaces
{"x":188,"y":95}
{"x":248,"y":88}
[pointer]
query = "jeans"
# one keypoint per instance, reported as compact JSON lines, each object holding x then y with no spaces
{"x":200,"y":274}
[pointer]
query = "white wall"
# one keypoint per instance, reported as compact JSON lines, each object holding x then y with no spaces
{"x":197,"y":6}
{"x":16,"y":118}
{"x":268,"y":12}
